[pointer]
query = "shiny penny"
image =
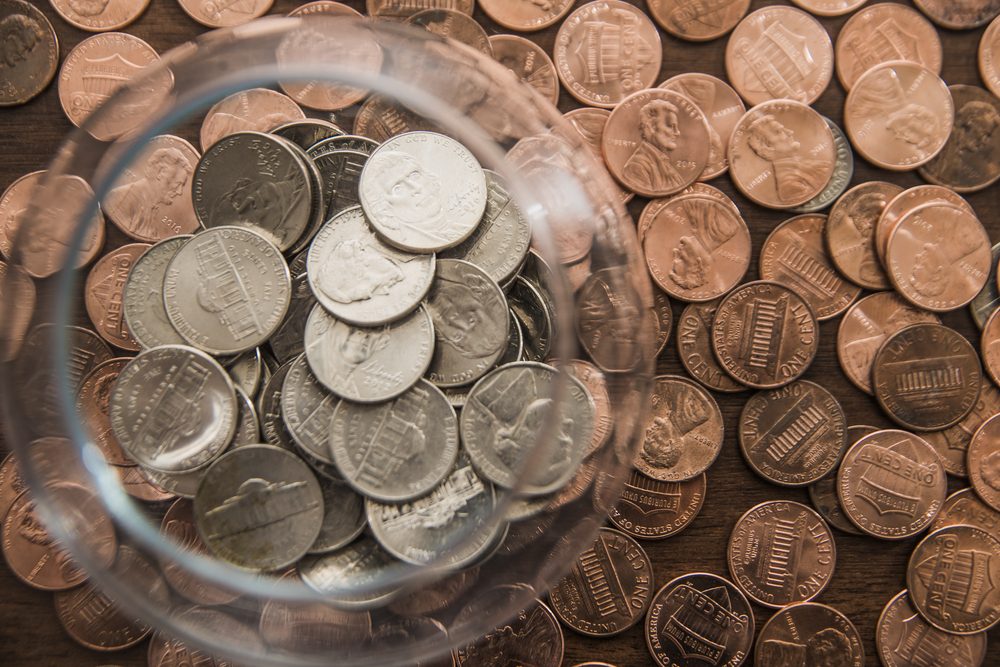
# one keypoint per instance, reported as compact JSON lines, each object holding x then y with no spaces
{"x":970,"y":160}
{"x":907,"y":201}
{"x":225,"y":15}
{"x":401,"y":9}
{"x":254,"y":110}
{"x":649,"y":509}
{"x":952,"y":443}
{"x":904,"y":639}
{"x":823,"y":493}
{"x":891,"y":484}
{"x":695,"y":21}
{"x":989,"y":57}
{"x":526,"y":16}
{"x":590,"y":123}
{"x":781,"y":154}
{"x":722,"y":107}
{"x":983,"y":462}
{"x":829,"y":7}
{"x":963,"y":15}
{"x":965,"y":507}
{"x":694,"y":346}
{"x":104,"y":295}
{"x":100,"y":16}
{"x":528,"y":62}
{"x":843,"y":172}
{"x":850,"y":233}
{"x":813,"y":633}
{"x":31,"y":52}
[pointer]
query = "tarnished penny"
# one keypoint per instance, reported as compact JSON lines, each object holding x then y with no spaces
{"x":793,"y":435}
{"x":649,"y":509}
{"x":104,"y":295}
{"x":965,"y":507}
{"x":829,"y":7}
{"x":656,"y":142}
{"x":31,"y":52}
{"x":254,"y":110}
{"x":779,"y":53}
{"x":225,"y":15}
{"x":92,"y":404}
{"x":608,"y":588}
{"x":990,"y":347}
{"x":605,"y":51}
{"x":970,"y":160}
{"x":401,"y":9}
{"x":683,"y":432}
{"x":961,"y":15}
{"x":455,"y":25}
{"x":904,"y":639}
{"x":699,"y":617}
{"x":843,"y":172}
{"x":907,"y":201}
{"x":866,"y":325}
{"x":952,"y":443}
{"x":891,"y":484}
{"x":608,"y":309}
{"x":698,"y":21}
{"x":811,"y":633}
{"x":989,"y":57}
{"x":764,"y":335}
{"x":590,"y":123}
{"x":781,"y":154}
{"x":528,"y":62}
{"x":531,"y":637}
{"x":850,"y":233}
{"x":593,"y":379}
{"x":885,"y":32}
{"x":526,"y":16}
{"x":899,"y":115}
{"x":178,"y":524}
{"x":100,"y":16}
{"x":988,"y":299}
{"x":795,"y":255}
{"x":17,"y":292}
{"x":938,"y":257}
{"x":823,"y":492}
{"x":983,"y":462}
{"x":722,"y":107}
{"x":696,"y":248}
{"x":926,"y":377}
{"x":952,"y":577}
{"x":781,"y":552}
{"x":694,"y":346}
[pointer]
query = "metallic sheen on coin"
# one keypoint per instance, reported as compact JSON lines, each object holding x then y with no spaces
{"x":904,"y":639}
{"x":811,"y":632}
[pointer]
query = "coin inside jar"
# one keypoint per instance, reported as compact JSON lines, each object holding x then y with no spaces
{"x":528,"y":62}
{"x":903,"y":638}
{"x":253,"y":110}
{"x":649,"y":509}
{"x":812,"y":630}
{"x":983,"y":462}
{"x":104,"y":295}
{"x":850,"y":233}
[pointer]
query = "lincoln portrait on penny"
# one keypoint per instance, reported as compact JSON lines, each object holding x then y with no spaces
{"x":140,"y":201}
{"x":650,"y":164}
{"x":796,"y":177}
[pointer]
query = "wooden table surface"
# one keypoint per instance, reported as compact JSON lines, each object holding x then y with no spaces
{"x":869,"y":571}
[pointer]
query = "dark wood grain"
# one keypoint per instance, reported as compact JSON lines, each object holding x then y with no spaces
{"x":869,"y":572}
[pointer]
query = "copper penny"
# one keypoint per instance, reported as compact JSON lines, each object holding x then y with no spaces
{"x":938,"y":257}
{"x":401,"y":9}
{"x":166,"y":652}
{"x":988,"y":299}
{"x":526,"y":15}
{"x":764,"y":335}
{"x":904,"y":639}
{"x":101,"y":15}
{"x":605,"y":51}
{"x":225,"y":14}
{"x":663,"y":314}
{"x":843,"y":172}
{"x":698,"y":21}
{"x":653,"y":208}
{"x":829,"y":7}
{"x":607,"y":310}
{"x":528,"y":62}
{"x":952,"y":443}
{"x":656,"y":142}
{"x":98,"y":67}
{"x":31,"y":52}
{"x":823,"y":492}
{"x":699,"y":618}
{"x":694,"y":346}
{"x":989,"y":57}
{"x":590,"y":123}
{"x":593,"y":379}
{"x":899,"y":115}
{"x":178,"y":525}
{"x":793,"y":435}
{"x":696,"y":248}
{"x":907,"y":201}
{"x":781,"y":154}
{"x":990,"y":347}
{"x":17,"y":293}
{"x":103,"y":295}
{"x":92,"y":406}
{"x":531,"y":637}
{"x":951,"y":578}
{"x":608,"y":588}
{"x":960,"y":15}
{"x":454,"y":25}
{"x":254,"y":110}
{"x":850,"y":233}
{"x":983,"y":462}
{"x":970,"y":160}
{"x":649,"y":509}
{"x":722,"y":107}
{"x":380,"y":118}
{"x":779,"y":53}
{"x":965,"y":507}
{"x":885,"y":32}
{"x":794,"y":254}
{"x":866,"y":325}
{"x":810,"y":634}
{"x":683,"y":432}
{"x":891,"y":484}
{"x":328,"y":7}
{"x":138,"y":485}
{"x":11,"y":483}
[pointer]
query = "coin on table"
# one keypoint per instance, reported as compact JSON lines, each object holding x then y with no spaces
{"x":455,"y":25}
{"x":850,"y":232}
{"x":611,"y":323}
{"x":698,"y":22}
{"x":970,"y":160}
{"x":178,"y":525}
{"x":990,"y":347}
{"x":952,"y":443}
{"x":960,"y":15}
{"x":11,"y":483}
{"x":539,"y":641}
{"x":983,"y":462}
{"x":696,"y":248}
{"x":823,"y":492}
{"x":795,"y":255}
{"x":399,"y":450}
{"x":843,"y":172}
{"x":17,"y":290}
{"x":926,"y":377}
{"x":793,"y":435}
{"x":904,"y":639}
{"x":343,"y":517}
{"x":829,"y":7}
{"x":368,"y":365}
{"x":607,"y":589}
{"x":165,"y":651}
{"x":100,"y":16}
{"x":699,"y":614}
{"x":779,"y":53}
{"x":656,"y":142}
{"x":883,"y":33}
{"x":810,"y":632}
{"x":649,"y":509}
{"x":280,"y":620}
{"x":764,"y":335}
{"x":989,"y":57}
{"x":694,"y":346}
{"x":683,"y":432}
{"x":93,"y":403}
{"x":988,"y":299}
{"x":104,"y":295}
{"x":33,"y":54}
{"x":589,"y":123}
{"x":722,"y":107}
{"x":891,"y":484}
{"x":907,"y":201}
{"x":899,"y":115}
{"x":528,"y":62}
{"x":353,"y":578}
{"x":259,"y":507}
{"x":782,"y":154}
{"x":951,"y":577}
{"x":526,"y":16}
{"x":307,"y":408}
{"x":221,"y":15}
{"x":605,"y":51}
{"x":423,"y":191}
{"x":401,"y":9}
{"x":965,"y":507}
{"x":253,"y":110}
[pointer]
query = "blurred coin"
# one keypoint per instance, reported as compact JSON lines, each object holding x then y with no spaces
{"x":528,"y":62}
{"x":342,"y":142}
{"x":136,"y":482}
{"x":611,"y":324}
{"x":247,"y":424}
{"x":952,"y":443}
{"x":829,"y":7}
{"x":843,"y":172}
{"x":694,"y":346}
{"x":810,"y":632}
{"x":100,"y":16}
{"x":907,"y":201}
{"x":526,"y":16}
{"x":11,"y":483}
{"x":246,"y":370}
{"x":104,"y":295}
{"x":891,"y":484}
{"x":989,"y":57}
{"x":253,"y":110}
{"x":325,"y":7}
{"x":983,"y":462}
{"x":167,"y":652}
{"x":93,"y":404}
{"x":307,"y":409}
{"x":965,"y":507}
{"x":531,"y":637}
{"x":142,"y":298}
{"x":990,"y":347}
{"x":380,"y":118}
{"x":722,"y":108}
{"x":32,"y":50}
{"x":960,"y":15}
{"x":663,"y":314}
{"x":904,"y":639}
{"x":340,"y":173}
{"x":590,"y":123}
{"x":850,"y":233}
{"x":605,"y":51}
{"x":288,"y":341}
{"x":353,"y":578}
{"x":272,"y":422}
{"x":307,"y":133}
{"x":409,"y":630}
{"x":343,"y":517}
{"x":653,"y":208}
{"x":225,"y":15}
{"x":535,"y":317}
{"x":453,"y":24}
{"x":593,"y":380}
{"x":17,"y":291}
{"x":988,"y":299}
{"x":653,"y":510}
{"x":698,"y":22}
{"x":970,"y":160}
{"x":400,"y":9}
{"x":178,"y":525}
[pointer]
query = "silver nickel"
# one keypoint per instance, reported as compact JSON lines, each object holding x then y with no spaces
{"x":142,"y":298}
{"x":350,"y":577}
{"x":246,"y":370}
{"x":307,"y":408}
{"x":343,"y":517}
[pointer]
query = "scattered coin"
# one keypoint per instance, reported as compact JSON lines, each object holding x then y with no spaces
{"x":455,"y":25}
{"x":607,"y":310}
{"x":17,"y":291}
{"x":823,"y":492}
{"x":843,"y":172}
{"x":307,"y":409}
{"x":528,"y":62}
{"x":102,"y":16}
{"x":907,"y":201}
{"x":589,"y":123}
{"x":697,"y":22}
{"x":850,"y":233}
{"x":104,"y":295}
{"x":597,"y":388}
{"x":381,"y":118}
{"x":722,"y":107}
{"x":178,"y":524}
{"x":904,"y":639}
{"x":829,"y":7}
{"x":343,"y":517}
{"x":961,"y":15}
{"x":952,"y":443}
{"x":11,"y":483}
{"x":649,"y":509}
{"x":970,"y":160}
{"x":532,"y":637}
{"x":965,"y":507}
{"x":353,"y":578}
{"x":988,"y":299}
{"x":32,"y":53}
{"x":535,"y":317}
{"x":166,"y":652}
{"x":269,"y":410}
{"x":401,"y":9}
{"x":225,"y":15}
{"x":989,"y":57}
{"x":810,"y":632}
{"x":526,"y":16}
{"x":983,"y":462}
{"x":254,"y":110}
{"x":694,"y":347}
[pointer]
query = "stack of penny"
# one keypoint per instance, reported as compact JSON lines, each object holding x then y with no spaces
{"x":823,"y":198}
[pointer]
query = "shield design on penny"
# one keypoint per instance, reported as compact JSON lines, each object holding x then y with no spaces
{"x":701,"y":622}
{"x":884,"y":486}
